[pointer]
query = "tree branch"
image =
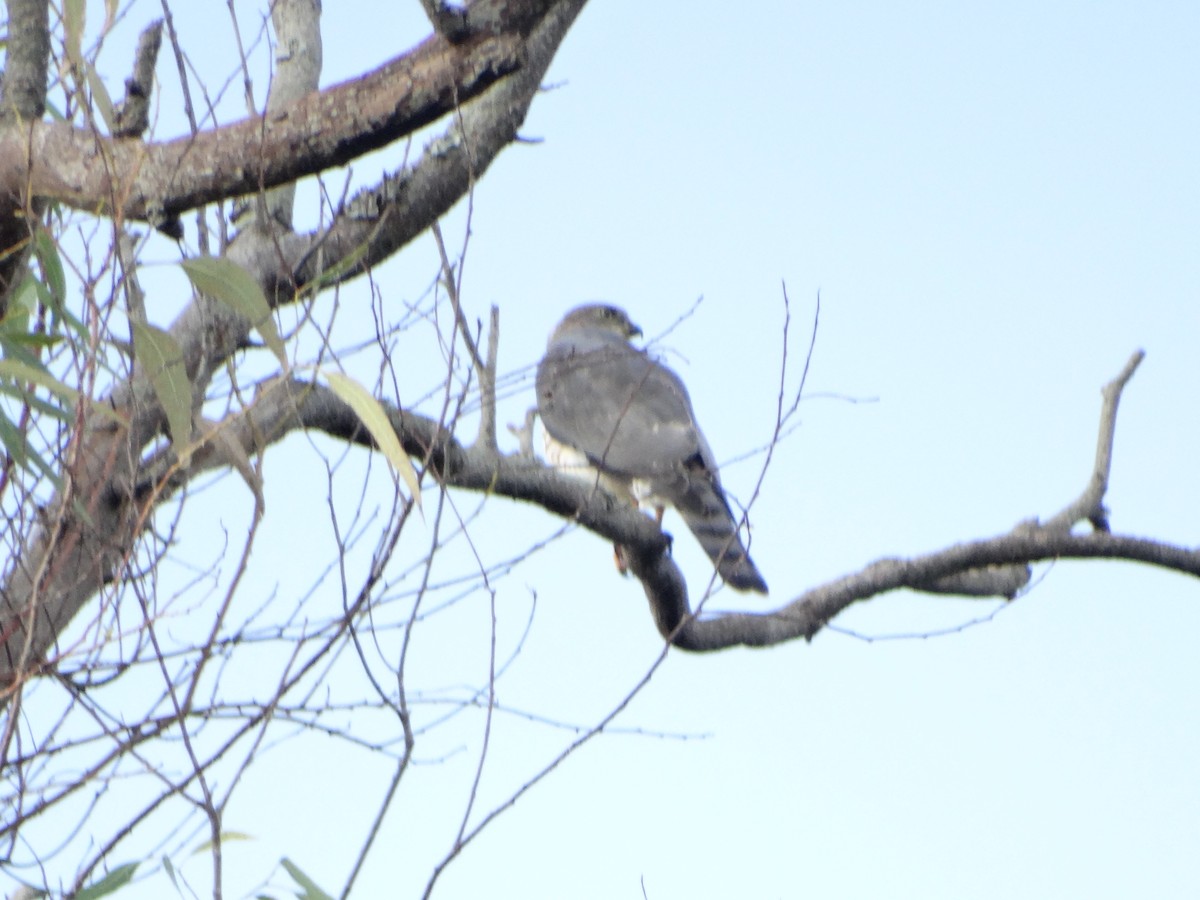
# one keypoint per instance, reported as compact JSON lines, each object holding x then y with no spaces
{"x":973,"y":569}
{"x":26,"y":64}
{"x":331,"y":128}
{"x":450,"y":22}
{"x":133,"y":114}
{"x":284,"y":406}
{"x":1089,"y":505}
{"x":379,"y":220}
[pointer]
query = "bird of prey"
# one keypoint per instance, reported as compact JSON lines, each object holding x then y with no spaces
{"x":613,"y":414}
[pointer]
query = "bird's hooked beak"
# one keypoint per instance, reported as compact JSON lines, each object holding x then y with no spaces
{"x":634,"y":331}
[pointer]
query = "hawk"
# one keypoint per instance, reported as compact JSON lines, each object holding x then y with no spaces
{"x":612,"y":413}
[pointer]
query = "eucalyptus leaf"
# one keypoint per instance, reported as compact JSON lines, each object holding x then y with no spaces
{"x":162,"y":360}
{"x":311,"y":890}
{"x":227,"y":282}
{"x":372,"y":414}
{"x":110,"y":883}
{"x":23,"y":370}
{"x":52,"y":268}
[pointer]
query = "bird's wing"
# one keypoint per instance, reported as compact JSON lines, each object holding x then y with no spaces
{"x":627,"y":413}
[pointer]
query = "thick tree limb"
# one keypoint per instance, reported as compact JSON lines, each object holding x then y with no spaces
{"x":808,"y":613}
{"x":26,"y":61}
{"x":22,"y":102}
{"x":148,"y":181}
{"x":381,"y":219}
{"x":299,"y":55}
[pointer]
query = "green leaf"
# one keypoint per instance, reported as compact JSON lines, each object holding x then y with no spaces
{"x":13,"y":347}
{"x":233,"y":453}
{"x":21,"y":370}
{"x":311,"y":891}
{"x":61,"y":314}
{"x":25,"y":339}
{"x":73,"y":19}
{"x":52,"y":268}
{"x":110,"y":883}
{"x":205,"y":846}
{"x":338,"y":271}
{"x":22,"y":367}
{"x":372,"y":414}
{"x":65,"y":414}
{"x":162,"y":360}
{"x":51,"y":289}
{"x":100,"y":98}
{"x":169,"y":868}
{"x":25,"y":297}
{"x":14,"y":443}
{"x":226,"y":281}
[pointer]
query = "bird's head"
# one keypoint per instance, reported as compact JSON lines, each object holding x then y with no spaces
{"x":598,"y":317}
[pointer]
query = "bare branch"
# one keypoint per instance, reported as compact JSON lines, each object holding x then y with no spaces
{"x":133,"y":114}
{"x":991,"y":567}
{"x":524,"y":433}
{"x":1006,"y":581}
{"x":1090,"y":504}
{"x":381,"y":219}
{"x":806,"y":615}
{"x":485,"y":369}
{"x":487,"y":386}
{"x":996,"y":567}
{"x":450,"y":282}
{"x":991,"y":581}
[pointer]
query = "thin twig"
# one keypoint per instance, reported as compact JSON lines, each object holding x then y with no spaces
{"x":487,"y":386}
{"x":485,"y":369}
{"x":1090,"y":504}
{"x":452,"y":292}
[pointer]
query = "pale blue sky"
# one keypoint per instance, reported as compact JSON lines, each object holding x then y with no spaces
{"x":997,"y":206}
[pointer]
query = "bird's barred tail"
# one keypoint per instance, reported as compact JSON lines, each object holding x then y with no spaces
{"x":716,"y":530}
